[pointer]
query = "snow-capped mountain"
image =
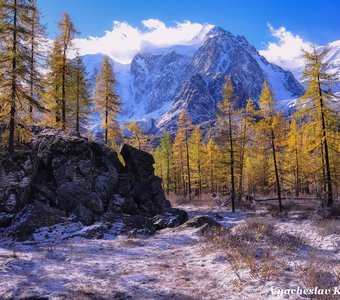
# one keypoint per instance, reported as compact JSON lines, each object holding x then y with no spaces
{"x":223,"y":54}
{"x":333,"y":57}
{"x":333,"y":60}
{"x":159,"y":84}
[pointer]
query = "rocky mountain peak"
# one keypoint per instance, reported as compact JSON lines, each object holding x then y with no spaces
{"x":158,"y":83}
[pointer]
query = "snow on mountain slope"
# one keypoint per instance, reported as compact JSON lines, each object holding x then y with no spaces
{"x":223,"y":54}
{"x":148,"y":85}
{"x":333,"y":60}
{"x":156,"y":79}
{"x":160,"y":82}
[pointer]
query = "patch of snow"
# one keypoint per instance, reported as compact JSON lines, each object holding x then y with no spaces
{"x":168,"y":265}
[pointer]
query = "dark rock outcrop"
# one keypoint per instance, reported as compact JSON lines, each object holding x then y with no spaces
{"x":34,"y":216}
{"x":146,"y":189}
{"x":203,"y":223}
{"x":172,"y":217}
{"x":62,"y":175}
{"x":83,"y":215}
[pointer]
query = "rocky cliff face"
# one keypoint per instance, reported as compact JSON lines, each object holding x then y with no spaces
{"x":223,"y":54}
{"x":156,"y":80}
{"x":61,"y":177}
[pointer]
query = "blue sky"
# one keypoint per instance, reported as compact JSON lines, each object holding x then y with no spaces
{"x":315,"y":20}
{"x":121,"y":28}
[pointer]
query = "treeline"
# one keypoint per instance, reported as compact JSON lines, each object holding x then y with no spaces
{"x":40,"y":84}
{"x":260,"y":151}
{"x":254,"y":151}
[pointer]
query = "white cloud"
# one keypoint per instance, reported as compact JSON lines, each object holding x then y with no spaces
{"x":287,"y":50}
{"x":124,"y":40}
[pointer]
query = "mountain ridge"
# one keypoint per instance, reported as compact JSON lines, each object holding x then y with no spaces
{"x":157,"y":84}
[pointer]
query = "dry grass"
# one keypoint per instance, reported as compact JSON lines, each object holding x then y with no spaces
{"x":244,"y":249}
{"x":245,"y":205}
{"x":321,"y":273}
{"x":205,"y":200}
{"x":327,"y":226}
{"x":287,"y":241}
{"x":130,"y":242}
{"x":293,"y":206}
{"x":335,"y":209}
{"x":255,"y":229}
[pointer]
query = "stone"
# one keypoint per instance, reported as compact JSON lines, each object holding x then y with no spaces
{"x":146,"y":187}
{"x":143,"y":224}
{"x":6,"y":219}
{"x":71,"y":194}
{"x":75,"y":177}
{"x":11,"y":202}
{"x":34,"y":216}
{"x":138,"y":224}
{"x":83,"y":215}
{"x":122,"y":204}
{"x":138,"y":162}
{"x":95,"y":231}
{"x":203,"y":223}
{"x":172,"y":217}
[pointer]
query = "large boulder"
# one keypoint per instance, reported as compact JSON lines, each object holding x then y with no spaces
{"x":130,"y":223}
{"x":61,"y":174}
{"x":6,"y":219}
{"x":32,"y":217}
{"x":146,"y":188}
{"x":204,"y":224}
{"x":126,"y":204}
{"x":15,"y":172}
{"x":83,"y":215}
{"x":172,"y":217}
{"x":72,"y":194}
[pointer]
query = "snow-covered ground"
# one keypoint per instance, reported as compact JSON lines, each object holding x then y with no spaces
{"x":172,"y":264}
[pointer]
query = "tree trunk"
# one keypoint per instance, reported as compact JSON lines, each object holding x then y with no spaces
{"x":232,"y":175}
{"x":297,"y":188}
{"x":326,"y":154}
{"x":278,"y":186}
{"x":63,"y":93}
{"x":32,"y":62}
{"x":212,"y":183}
{"x":188,"y":164}
{"x":13,"y":88}
{"x":167,"y":171}
{"x":106,"y":124}
{"x":78,"y":104}
{"x":243,"y":142}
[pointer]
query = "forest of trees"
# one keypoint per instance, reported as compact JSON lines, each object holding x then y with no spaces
{"x":259,"y":151}
{"x":256,"y":150}
{"x":41,"y":85}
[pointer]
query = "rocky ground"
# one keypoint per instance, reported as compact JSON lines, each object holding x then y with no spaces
{"x":175,"y":263}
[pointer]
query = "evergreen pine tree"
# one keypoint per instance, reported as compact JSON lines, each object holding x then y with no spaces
{"x":166,"y":150}
{"x":65,"y":39}
{"x":270,"y":126}
{"x":15,"y":98}
{"x":245,"y":140}
{"x":315,"y":105}
{"x":79,"y":90}
{"x":137,"y":137}
{"x":37,"y":39}
{"x":196,"y":151}
{"x":226,"y":115}
{"x":181,"y":154}
{"x":107,"y":101}
{"x":53,"y":84}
